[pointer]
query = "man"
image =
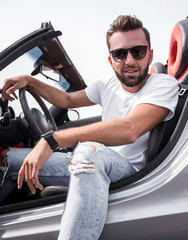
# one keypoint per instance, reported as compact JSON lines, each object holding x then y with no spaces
{"x":133,"y":103}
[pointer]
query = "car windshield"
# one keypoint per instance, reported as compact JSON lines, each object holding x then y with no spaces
{"x":26,"y":64}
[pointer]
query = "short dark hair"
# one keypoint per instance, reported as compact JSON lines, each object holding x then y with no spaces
{"x":125,"y":23}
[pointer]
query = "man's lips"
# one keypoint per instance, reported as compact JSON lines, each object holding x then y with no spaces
{"x":131,"y":70}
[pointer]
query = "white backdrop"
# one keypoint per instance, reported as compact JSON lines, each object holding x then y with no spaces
{"x":84,"y":24}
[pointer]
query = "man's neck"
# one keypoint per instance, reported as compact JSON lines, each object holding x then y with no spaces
{"x":135,"y":88}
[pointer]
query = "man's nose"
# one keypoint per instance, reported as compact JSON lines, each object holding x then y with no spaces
{"x":129,"y":59}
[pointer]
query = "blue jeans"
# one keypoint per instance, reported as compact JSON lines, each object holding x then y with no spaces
{"x":88,"y":172}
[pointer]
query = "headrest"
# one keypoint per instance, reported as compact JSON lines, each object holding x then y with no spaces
{"x":178,"y":52}
{"x":158,"y":67}
{"x":183,"y":78}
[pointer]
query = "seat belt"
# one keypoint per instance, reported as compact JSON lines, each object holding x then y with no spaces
{"x":183,"y":89}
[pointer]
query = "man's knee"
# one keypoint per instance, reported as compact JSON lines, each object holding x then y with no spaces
{"x":83,"y":157}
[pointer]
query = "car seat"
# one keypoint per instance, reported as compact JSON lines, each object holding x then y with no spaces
{"x":178,"y":67}
{"x":158,"y":67}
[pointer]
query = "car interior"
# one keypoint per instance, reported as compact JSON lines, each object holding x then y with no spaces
{"x":53,"y":56}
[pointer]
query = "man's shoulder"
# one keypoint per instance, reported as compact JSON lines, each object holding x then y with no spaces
{"x":162,"y":79}
{"x":110,"y":80}
{"x":105,"y":82}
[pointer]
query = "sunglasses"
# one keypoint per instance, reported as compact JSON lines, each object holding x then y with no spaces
{"x":138,"y":53}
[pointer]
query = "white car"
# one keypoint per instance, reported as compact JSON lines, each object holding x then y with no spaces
{"x":152,"y":204}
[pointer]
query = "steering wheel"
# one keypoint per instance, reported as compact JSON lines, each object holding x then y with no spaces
{"x":38,"y":122}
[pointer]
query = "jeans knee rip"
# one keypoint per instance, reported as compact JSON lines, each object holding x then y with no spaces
{"x":82,"y":160}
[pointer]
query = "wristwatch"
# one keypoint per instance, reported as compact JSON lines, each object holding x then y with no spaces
{"x":48,"y":136}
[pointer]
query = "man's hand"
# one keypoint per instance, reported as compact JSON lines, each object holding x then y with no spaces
{"x":13,"y":84}
{"x":33,"y":163}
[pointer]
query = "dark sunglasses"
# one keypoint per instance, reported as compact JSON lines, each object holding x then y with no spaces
{"x":138,"y":52}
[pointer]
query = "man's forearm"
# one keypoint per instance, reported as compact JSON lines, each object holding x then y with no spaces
{"x":110,"y":133}
{"x":49,"y":93}
{"x":59,"y":98}
{"x":115,"y":132}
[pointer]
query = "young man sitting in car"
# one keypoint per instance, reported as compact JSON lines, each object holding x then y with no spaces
{"x":133,"y":102}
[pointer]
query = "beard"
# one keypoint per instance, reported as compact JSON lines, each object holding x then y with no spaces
{"x":132,"y":81}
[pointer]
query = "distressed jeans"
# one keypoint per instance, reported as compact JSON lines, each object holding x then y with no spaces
{"x":88,"y":172}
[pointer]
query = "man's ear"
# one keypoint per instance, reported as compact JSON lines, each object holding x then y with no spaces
{"x":110,"y":60}
{"x":151,"y":56}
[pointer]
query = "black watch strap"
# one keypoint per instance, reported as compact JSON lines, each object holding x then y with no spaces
{"x":48,"y":136}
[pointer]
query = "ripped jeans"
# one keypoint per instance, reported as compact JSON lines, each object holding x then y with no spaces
{"x":88,"y":172}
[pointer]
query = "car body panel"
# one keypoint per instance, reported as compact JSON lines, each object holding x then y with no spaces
{"x":156,"y":206}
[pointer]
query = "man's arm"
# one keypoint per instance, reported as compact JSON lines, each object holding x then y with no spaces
{"x":115,"y":132}
{"x":111,"y":133}
{"x":51,"y":94}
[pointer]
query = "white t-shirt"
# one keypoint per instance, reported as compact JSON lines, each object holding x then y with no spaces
{"x":160,"y":90}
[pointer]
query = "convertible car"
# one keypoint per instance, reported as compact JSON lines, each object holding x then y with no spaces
{"x":152,"y":204}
